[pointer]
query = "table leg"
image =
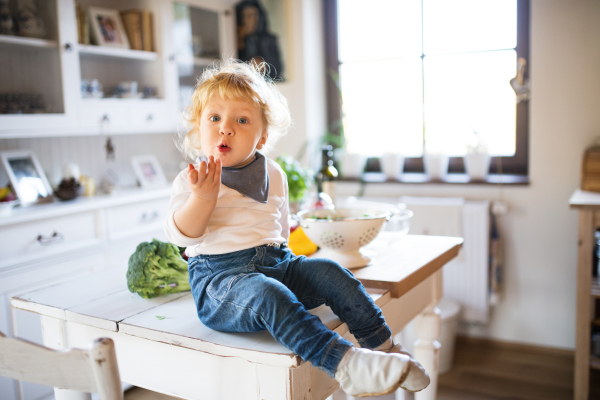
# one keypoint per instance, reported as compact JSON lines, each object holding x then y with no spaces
{"x":428,"y":327}
{"x":53,"y":333}
{"x":584,"y":318}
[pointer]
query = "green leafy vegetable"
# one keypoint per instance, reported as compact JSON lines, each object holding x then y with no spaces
{"x":299,"y":180}
{"x":161,"y":317}
{"x":155,"y":269}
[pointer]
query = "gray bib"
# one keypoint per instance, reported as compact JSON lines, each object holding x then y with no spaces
{"x":251,"y":180}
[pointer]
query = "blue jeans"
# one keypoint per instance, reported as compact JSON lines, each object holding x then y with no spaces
{"x":270,"y":288}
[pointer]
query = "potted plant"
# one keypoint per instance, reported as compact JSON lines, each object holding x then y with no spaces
{"x":299,"y":180}
{"x":477,"y":159}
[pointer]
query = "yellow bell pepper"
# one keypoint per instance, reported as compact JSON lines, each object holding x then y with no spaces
{"x":300,"y":244}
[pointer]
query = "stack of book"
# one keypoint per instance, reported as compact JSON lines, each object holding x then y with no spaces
{"x":138,"y":25}
{"x":83,"y":25}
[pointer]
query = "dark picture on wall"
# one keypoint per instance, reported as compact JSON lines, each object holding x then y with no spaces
{"x":256,"y":40}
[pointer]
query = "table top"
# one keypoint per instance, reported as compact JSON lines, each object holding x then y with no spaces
{"x":581,"y":198}
{"x":103,"y":301}
{"x":401,"y":262}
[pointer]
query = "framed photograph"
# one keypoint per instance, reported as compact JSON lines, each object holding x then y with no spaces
{"x":107,"y":28}
{"x":26,"y":177}
{"x":148,"y":171}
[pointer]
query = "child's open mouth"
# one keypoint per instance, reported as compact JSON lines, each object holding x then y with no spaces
{"x":223,"y":148}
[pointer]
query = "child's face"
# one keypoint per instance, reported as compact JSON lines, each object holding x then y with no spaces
{"x":231,"y":130}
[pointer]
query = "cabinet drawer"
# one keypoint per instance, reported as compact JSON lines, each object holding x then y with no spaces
{"x":96,"y":114}
{"x":134,"y":219}
{"x":149,"y":117}
{"x":33,"y":240}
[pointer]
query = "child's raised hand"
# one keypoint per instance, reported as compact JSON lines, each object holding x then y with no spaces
{"x":205,"y":181}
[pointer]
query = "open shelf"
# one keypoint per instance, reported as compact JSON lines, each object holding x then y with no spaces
{"x":27,"y":42}
{"x":117,"y":52}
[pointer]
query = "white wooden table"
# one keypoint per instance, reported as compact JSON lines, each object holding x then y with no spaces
{"x":161,"y":345}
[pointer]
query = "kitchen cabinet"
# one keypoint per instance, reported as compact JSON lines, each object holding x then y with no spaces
{"x":52,"y":243}
{"x":53,"y":69}
{"x":39,"y":76}
{"x":201,"y":32}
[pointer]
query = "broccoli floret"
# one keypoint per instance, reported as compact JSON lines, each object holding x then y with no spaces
{"x":155,"y":269}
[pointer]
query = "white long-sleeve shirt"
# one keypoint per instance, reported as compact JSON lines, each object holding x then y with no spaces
{"x":237,"y":222}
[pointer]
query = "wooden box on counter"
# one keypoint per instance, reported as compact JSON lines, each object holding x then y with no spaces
{"x":590,"y":170}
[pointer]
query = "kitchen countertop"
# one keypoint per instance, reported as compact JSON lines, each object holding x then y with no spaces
{"x":121,"y":196}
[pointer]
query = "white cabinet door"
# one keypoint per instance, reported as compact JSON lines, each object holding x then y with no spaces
{"x":42,"y":82}
{"x":201,"y":32}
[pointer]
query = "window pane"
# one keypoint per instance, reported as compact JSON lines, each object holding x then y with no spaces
{"x":379,"y":29}
{"x":468,"y":92}
{"x":383,"y":106}
{"x":469,"y":25}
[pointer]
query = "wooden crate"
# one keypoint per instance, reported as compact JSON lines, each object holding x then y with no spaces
{"x":590,"y":170}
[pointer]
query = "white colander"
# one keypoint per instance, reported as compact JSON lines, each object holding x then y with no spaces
{"x":341,"y":232}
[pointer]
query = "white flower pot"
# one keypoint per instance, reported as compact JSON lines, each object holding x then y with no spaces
{"x":353,"y":165}
{"x":436,"y":165}
{"x":477,"y":165}
{"x":392,"y":165}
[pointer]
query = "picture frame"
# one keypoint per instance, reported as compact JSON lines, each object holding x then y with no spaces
{"x":148,"y":171}
{"x":107,"y":28}
{"x":27,"y":177}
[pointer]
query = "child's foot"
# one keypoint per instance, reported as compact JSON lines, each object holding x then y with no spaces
{"x":373,"y":373}
{"x":417,"y":378}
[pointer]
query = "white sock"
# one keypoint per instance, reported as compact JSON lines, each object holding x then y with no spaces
{"x":386,"y":346}
{"x":346,"y":358}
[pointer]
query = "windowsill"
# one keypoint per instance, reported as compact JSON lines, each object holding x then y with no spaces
{"x":492,"y":179}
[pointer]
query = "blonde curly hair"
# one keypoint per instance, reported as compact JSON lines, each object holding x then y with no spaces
{"x":237,"y":80}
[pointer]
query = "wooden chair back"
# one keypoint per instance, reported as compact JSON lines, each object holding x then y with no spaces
{"x":94,"y":370}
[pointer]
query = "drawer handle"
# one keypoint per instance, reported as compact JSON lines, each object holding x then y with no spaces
{"x":149,"y":217}
{"x":54,"y":239}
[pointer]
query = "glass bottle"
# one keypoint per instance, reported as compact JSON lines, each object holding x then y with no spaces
{"x":327,"y":176}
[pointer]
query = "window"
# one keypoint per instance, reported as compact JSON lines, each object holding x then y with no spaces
{"x":429,"y":74}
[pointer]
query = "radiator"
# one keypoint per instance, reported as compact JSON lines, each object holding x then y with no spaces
{"x":466,"y":278}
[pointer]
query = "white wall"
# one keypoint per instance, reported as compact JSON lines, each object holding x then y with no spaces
{"x":540,"y":231}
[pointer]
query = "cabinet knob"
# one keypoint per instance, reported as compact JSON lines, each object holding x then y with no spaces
{"x":149,"y":217}
{"x":105,"y":118}
{"x":150,"y":117}
{"x":50,"y":240}
{"x":68,"y":47}
{"x":172,"y":57}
